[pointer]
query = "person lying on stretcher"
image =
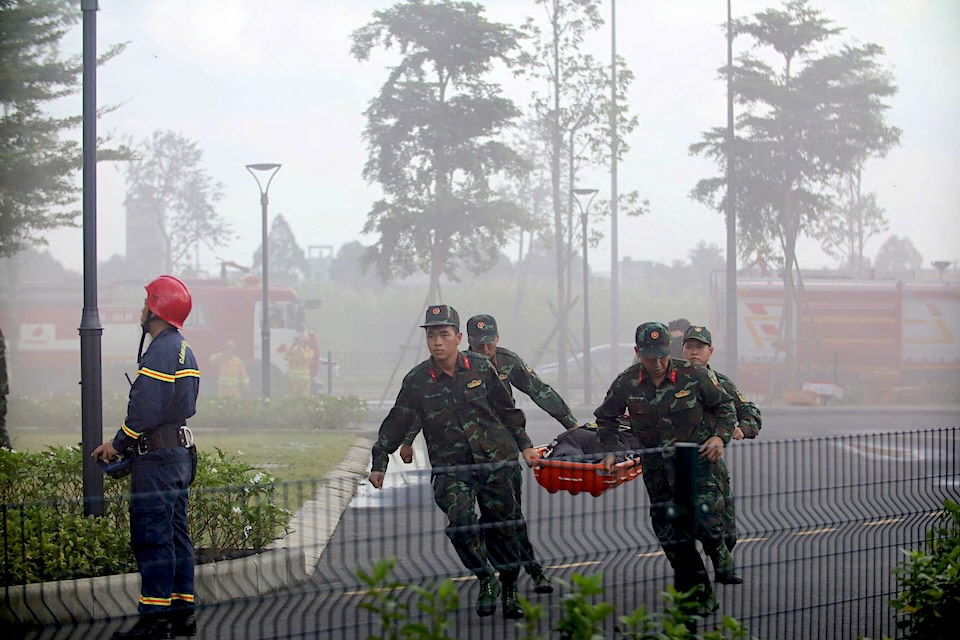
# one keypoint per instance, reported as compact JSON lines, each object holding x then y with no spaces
{"x":582,"y":444}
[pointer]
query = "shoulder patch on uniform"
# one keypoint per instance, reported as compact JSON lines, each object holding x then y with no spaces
{"x":473,"y":383}
{"x":682,"y":394}
{"x":740,"y":395}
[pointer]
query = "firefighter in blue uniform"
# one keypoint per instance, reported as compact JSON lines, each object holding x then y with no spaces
{"x":162,"y":397}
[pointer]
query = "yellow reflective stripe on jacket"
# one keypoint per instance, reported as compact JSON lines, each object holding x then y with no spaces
{"x":166,"y":377}
{"x":159,"y":602}
{"x":186,"y":597}
{"x":130,"y":432}
{"x":156,"y":375}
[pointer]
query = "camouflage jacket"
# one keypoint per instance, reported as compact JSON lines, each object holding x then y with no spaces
{"x":514,"y":372}
{"x":748,"y":414}
{"x":468,"y":418}
{"x":672,"y":412}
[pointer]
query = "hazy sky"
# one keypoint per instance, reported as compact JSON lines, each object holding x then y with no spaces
{"x":273,"y":81}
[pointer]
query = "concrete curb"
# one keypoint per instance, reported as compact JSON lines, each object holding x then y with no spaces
{"x":285,"y":563}
{"x":314,"y":524}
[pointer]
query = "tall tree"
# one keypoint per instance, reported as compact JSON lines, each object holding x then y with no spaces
{"x":805,"y":121}
{"x":347,"y":267}
{"x":433,"y":133}
{"x":38,"y":167}
{"x":898,"y":254}
{"x":575,"y":109}
{"x":288,"y":262}
{"x":854,"y":218}
{"x":167,"y":179}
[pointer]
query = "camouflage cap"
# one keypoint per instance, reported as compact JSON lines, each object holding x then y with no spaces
{"x":441,"y":315}
{"x":653,"y":340}
{"x":702,"y":334}
{"x":481,"y":329}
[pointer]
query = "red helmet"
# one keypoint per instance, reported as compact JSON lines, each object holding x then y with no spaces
{"x":169,"y":299}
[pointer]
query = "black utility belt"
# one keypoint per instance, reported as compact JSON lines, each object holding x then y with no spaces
{"x":166,"y":436}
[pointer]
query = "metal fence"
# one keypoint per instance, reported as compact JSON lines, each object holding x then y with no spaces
{"x":822,"y":523}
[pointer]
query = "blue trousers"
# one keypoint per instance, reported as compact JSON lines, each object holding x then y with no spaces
{"x":158,"y":530}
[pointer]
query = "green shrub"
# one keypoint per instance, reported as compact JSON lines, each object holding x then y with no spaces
{"x":930,"y":581}
{"x":232,"y":508}
{"x":582,"y":618}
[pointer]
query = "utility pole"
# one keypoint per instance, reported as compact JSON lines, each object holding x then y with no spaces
{"x":731,"y":356}
{"x":614,"y":153}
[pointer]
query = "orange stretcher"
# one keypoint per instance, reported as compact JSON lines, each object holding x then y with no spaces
{"x":578,"y":477}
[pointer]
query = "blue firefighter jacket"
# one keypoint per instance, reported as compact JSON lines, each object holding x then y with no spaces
{"x":165,"y":390}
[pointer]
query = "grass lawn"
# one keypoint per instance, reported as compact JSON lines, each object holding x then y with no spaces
{"x":286,"y":455}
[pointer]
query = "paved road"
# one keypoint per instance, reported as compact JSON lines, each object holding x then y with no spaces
{"x":817,"y":549}
{"x":822,"y":519}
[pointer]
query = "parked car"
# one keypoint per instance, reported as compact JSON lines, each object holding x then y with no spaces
{"x":605,"y":363}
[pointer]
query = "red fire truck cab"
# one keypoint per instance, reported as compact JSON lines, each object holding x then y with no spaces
{"x":41,"y":319}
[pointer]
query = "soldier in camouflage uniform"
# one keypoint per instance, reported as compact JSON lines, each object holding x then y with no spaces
{"x":469,"y":420}
{"x":4,"y":390}
{"x":698,"y":348}
{"x":484,"y":338}
{"x":666,"y":398}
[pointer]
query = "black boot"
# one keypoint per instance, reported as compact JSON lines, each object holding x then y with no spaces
{"x":724,"y":568}
{"x":511,"y":601}
{"x":147,"y":628}
{"x":183,"y":624}
{"x":487,"y":600}
{"x":541,"y":583}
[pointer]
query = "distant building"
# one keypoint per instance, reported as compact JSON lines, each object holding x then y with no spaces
{"x":147,"y":253}
{"x":319,"y":259}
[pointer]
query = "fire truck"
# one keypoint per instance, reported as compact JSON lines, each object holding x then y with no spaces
{"x":41,"y":319}
{"x":885,"y":332}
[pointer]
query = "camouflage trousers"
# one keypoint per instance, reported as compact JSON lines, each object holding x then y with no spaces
{"x":528,"y":558}
{"x":729,"y":507}
{"x":491,"y":539}
{"x":709,"y":525}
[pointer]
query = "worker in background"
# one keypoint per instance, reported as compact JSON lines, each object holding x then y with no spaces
{"x":232,"y":378}
{"x":314,"y":345}
{"x":298,"y":357}
{"x":677,"y":327}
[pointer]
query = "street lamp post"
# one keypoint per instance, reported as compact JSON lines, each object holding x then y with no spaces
{"x":272,"y":169}
{"x":91,"y":331}
{"x":589,"y":194}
